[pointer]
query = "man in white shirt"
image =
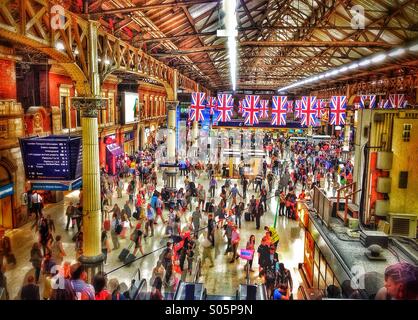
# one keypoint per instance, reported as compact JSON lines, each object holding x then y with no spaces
{"x":36,"y":204}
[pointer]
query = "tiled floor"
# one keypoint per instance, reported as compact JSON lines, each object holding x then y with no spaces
{"x":223,"y":279}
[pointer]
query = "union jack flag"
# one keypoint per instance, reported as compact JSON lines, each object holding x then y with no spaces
{"x":298,"y":109}
{"x":225,"y":105}
{"x":289,"y":106}
{"x":241,"y":104}
{"x":383,"y":104}
{"x":397,"y":101}
{"x":264,"y":108}
{"x":308,"y":111}
{"x":279,"y":110}
{"x":212,"y":104}
{"x":337,"y":110}
{"x":371,"y":98}
{"x":197,"y":106}
{"x":320,"y":108}
{"x":251,"y":109}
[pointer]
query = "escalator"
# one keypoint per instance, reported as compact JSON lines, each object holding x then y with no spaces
{"x":251,"y":292}
{"x":195,"y":290}
{"x":138,"y":287}
{"x":190,"y":291}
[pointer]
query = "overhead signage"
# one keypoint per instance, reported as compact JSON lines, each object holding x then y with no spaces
{"x":6,"y":190}
{"x":57,"y":186}
{"x":52,"y":158}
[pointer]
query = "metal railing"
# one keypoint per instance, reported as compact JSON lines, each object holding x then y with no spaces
{"x":143,"y":256}
{"x":141,"y":293}
{"x":197,"y":271}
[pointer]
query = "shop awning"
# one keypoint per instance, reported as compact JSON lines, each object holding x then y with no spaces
{"x":115,"y":149}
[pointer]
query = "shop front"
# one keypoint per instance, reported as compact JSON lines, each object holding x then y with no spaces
{"x":320,"y":267}
{"x":129,"y":142}
{"x":113,"y":152}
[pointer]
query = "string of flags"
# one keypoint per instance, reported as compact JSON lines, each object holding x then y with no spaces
{"x":308,"y":109}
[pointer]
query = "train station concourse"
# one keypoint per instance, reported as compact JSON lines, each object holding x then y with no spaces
{"x":208,"y":150}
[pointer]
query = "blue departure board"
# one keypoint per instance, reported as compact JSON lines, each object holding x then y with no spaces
{"x":52,"y":157}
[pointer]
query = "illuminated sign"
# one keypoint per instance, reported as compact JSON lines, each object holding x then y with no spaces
{"x":52,"y":158}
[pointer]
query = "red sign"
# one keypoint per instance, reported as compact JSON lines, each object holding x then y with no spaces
{"x":110,"y":139}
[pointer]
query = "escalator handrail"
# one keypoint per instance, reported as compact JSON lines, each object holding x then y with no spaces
{"x":142,"y":284}
{"x":263,"y":292}
{"x":196,"y":275}
{"x":143,"y":256}
{"x":177,"y":293}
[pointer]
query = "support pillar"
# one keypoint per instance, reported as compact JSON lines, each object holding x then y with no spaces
{"x":347,"y":131}
{"x":195,"y":135}
{"x":92,"y":257}
{"x":143,"y":136}
{"x":171,"y":172}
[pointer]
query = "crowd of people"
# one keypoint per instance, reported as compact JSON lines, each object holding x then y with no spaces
{"x":193,"y":217}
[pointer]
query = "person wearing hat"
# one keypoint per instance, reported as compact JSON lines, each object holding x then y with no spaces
{"x":401,"y":283}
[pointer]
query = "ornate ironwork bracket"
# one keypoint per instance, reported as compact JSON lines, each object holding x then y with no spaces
{"x":89,"y":106}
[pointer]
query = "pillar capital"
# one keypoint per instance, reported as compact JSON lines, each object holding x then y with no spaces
{"x":171,"y":104}
{"x":89,"y":106}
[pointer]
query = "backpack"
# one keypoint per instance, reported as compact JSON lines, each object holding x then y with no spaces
{"x":118,"y":227}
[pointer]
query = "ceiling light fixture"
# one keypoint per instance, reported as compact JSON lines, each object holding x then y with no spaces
{"x":365,"y":62}
{"x":231,"y":32}
{"x":375,"y":59}
{"x":397,"y":52}
{"x":414,"y":48}
{"x":379,"y":58}
{"x":59,"y":46}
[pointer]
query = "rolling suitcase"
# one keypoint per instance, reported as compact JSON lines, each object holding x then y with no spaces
{"x":129,"y":259}
{"x":125,"y":252}
{"x":247,"y":216}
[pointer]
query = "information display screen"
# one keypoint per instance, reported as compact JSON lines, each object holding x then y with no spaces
{"x":52,"y":157}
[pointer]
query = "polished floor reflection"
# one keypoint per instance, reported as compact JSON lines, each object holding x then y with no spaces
{"x":223,"y":279}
